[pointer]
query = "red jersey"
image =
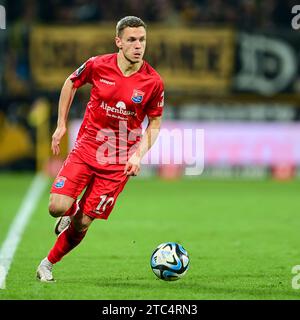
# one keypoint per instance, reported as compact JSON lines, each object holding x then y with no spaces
{"x":118,"y":104}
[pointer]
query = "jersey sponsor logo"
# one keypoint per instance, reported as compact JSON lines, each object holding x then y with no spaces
{"x":80,"y":69}
{"x":60,"y":182}
{"x":110,"y":83}
{"x":137,"y":96}
{"x":120,"y":109}
{"x":121,"y":105}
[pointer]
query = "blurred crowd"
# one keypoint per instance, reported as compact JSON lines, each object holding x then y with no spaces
{"x":249,"y":15}
{"x":239,"y":13}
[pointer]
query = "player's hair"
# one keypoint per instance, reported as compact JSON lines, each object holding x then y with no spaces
{"x":129,"y":21}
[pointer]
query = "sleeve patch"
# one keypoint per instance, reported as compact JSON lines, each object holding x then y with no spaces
{"x":80,"y":69}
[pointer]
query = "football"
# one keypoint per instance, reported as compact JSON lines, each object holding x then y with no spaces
{"x":170,"y":261}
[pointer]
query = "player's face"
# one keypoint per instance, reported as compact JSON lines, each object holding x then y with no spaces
{"x":132,"y":42}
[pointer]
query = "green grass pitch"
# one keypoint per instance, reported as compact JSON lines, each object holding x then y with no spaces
{"x":242,"y":238}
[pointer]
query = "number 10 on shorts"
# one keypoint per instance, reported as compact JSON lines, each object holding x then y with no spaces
{"x":104,"y":202}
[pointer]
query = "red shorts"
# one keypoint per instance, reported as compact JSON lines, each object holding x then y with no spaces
{"x":102,"y":185}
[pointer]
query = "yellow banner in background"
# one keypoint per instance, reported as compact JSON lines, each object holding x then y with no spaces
{"x":187,"y":59}
{"x":15,"y":142}
{"x":55,"y":52}
{"x":193,"y":59}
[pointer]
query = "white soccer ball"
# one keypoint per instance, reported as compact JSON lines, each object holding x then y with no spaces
{"x":170,"y":261}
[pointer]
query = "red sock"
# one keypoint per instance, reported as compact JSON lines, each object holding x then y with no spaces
{"x":72,"y":209}
{"x":65,"y":242}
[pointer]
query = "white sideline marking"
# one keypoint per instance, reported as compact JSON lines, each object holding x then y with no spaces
{"x":18,"y":226}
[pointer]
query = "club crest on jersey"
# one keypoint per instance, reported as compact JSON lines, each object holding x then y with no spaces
{"x":60,"y":182}
{"x":137,"y":96}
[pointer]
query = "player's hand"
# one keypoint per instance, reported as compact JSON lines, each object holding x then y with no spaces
{"x":133,"y":166}
{"x":56,"y":137}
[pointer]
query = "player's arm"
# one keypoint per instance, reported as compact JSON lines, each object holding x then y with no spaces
{"x":133,"y":165}
{"x":77,"y":79}
{"x":65,"y":100}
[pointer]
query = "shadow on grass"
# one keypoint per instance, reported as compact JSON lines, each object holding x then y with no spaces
{"x":190,"y":288}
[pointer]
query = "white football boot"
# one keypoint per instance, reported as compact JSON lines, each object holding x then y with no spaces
{"x":63,"y":222}
{"x":44,"y":271}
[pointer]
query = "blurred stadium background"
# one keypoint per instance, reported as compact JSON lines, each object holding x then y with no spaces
{"x":230,"y":67}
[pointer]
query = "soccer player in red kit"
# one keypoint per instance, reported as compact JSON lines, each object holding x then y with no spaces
{"x":109,"y":146}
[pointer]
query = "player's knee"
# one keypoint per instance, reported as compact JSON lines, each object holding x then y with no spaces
{"x":58,"y":205}
{"x":56,"y":210}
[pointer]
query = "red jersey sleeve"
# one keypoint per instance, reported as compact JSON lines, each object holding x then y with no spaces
{"x":155,"y":106}
{"x":83,"y":74}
